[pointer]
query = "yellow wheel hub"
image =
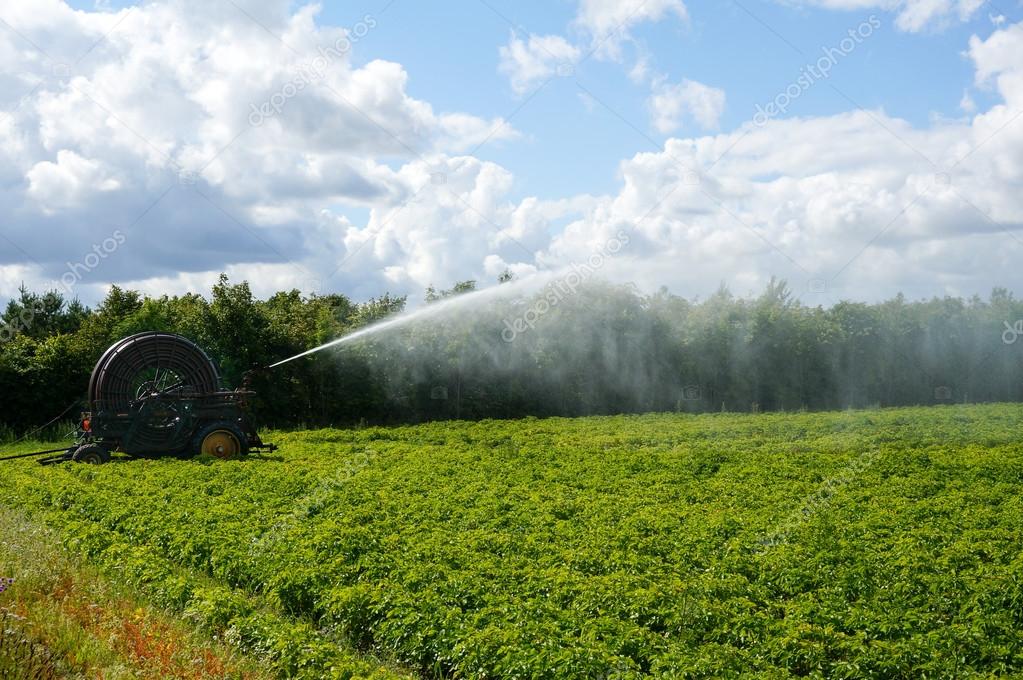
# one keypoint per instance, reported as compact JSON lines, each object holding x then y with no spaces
{"x":222,"y":444}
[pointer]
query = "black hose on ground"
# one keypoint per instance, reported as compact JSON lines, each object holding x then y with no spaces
{"x":39,"y":429}
{"x":37,"y":453}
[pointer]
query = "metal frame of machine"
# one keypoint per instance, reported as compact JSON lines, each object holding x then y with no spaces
{"x":156,"y":394}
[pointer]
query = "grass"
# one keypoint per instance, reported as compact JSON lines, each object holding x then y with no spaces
{"x":55,"y":432}
{"x":867,"y":544}
{"x":67,"y":619}
{"x":20,"y":656}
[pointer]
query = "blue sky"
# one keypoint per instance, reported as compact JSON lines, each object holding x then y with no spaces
{"x":319,"y":198}
{"x":912,"y":76}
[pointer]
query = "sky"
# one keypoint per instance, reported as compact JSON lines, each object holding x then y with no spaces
{"x":855,"y":148}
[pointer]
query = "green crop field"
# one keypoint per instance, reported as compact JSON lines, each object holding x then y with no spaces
{"x":861,"y":544}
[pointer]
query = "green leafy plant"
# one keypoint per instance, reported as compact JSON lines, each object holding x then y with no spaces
{"x":618,"y":547}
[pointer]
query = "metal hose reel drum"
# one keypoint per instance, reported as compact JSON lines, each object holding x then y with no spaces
{"x":156,"y":393}
{"x":150,"y":365}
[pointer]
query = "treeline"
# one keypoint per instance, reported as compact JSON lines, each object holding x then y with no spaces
{"x":49,"y":346}
{"x":599,"y":349}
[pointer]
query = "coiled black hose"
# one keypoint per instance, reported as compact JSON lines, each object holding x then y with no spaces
{"x":141,"y":360}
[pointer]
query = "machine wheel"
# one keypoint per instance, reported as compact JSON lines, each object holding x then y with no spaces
{"x":91,"y":454}
{"x":222,"y":440}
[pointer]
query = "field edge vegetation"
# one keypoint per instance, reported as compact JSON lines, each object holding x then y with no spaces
{"x":69,"y":619}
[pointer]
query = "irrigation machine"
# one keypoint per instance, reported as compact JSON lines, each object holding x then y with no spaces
{"x":156,"y":394}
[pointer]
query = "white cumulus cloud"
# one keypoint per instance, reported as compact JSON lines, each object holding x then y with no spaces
{"x":610,"y":22}
{"x":351,"y":183}
{"x":528,"y":63}
{"x":671,"y":104}
{"x":192,"y":118}
{"x":67,"y":182}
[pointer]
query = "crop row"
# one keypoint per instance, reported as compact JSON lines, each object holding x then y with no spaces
{"x":866,"y":544}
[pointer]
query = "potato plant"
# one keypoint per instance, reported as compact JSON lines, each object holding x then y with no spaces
{"x":866,"y":544}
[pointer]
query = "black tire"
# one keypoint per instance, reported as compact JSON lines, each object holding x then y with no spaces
{"x":222,"y":440}
{"x":91,"y":454}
